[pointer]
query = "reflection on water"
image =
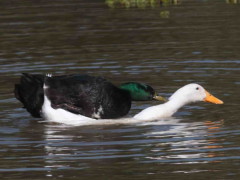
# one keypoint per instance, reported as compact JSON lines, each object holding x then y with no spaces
{"x":166,"y":46}
{"x":194,"y":143}
{"x":165,"y":141}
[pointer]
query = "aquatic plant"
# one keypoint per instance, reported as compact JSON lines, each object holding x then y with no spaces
{"x":140,"y":3}
{"x":232,"y":1}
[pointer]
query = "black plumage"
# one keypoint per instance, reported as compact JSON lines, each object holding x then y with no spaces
{"x":90,"y":96}
{"x":30,"y":93}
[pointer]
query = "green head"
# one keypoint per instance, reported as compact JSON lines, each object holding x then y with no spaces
{"x":141,"y":92}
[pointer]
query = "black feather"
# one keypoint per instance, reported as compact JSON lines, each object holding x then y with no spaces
{"x":90,"y":96}
{"x":30,"y":93}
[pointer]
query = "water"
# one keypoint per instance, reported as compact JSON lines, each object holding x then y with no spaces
{"x":165,"y":46}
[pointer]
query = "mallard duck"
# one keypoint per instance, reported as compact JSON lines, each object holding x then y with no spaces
{"x":81,"y":95}
{"x":185,"y":95}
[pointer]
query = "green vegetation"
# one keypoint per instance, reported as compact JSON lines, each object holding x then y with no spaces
{"x":140,"y":3}
{"x":233,"y":1}
{"x":150,"y":3}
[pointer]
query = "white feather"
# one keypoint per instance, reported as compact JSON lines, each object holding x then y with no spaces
{"x":61,"y":115}
{"x":181,"y":97}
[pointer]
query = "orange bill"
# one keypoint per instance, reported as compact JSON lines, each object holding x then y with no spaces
{"x":210,"y":98}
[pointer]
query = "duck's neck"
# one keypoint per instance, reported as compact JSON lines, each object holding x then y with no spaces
{"x":173,"y":105}
{"x":163,"y":110}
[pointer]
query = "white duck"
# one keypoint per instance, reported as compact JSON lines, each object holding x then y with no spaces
{"x":185,"y":95}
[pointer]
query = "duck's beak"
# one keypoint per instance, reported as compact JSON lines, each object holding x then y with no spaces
{"x":159,"y":98}
{"x":210,"y":98}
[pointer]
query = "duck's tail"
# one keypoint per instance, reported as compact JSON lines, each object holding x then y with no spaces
{"x":30,"y":93}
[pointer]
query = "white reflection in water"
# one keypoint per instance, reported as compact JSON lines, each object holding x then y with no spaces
{"x":168,"y":140}
{"x":190,"y":143}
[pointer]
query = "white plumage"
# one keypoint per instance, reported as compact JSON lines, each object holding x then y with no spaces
{"x":185,"y":95}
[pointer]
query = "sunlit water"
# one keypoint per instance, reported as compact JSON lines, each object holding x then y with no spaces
{"x":165,"y":46}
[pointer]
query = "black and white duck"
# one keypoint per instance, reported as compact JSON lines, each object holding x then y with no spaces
{"x":79,"y":95}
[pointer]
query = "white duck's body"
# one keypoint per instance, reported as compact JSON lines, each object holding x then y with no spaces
{"x":159,"y":111}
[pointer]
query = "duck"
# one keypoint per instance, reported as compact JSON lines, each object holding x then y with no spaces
{"x":187,"y":94}
{"x":79,"y":95}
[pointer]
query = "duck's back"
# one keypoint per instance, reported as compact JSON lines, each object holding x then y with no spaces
{"x":90,"y":96}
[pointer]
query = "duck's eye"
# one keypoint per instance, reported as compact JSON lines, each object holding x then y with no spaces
{"x":197,"y":88}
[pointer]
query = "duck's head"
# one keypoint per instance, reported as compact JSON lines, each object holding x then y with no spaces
{"x":141,"y":92}
{"x":193,"y":93}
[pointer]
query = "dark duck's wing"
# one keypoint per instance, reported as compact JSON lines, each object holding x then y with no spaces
{"x":90,"y":96}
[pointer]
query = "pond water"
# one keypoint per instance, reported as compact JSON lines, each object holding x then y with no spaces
{"x":166,"y":46}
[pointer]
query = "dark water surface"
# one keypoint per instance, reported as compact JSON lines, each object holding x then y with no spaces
{"x":166,"y":46}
